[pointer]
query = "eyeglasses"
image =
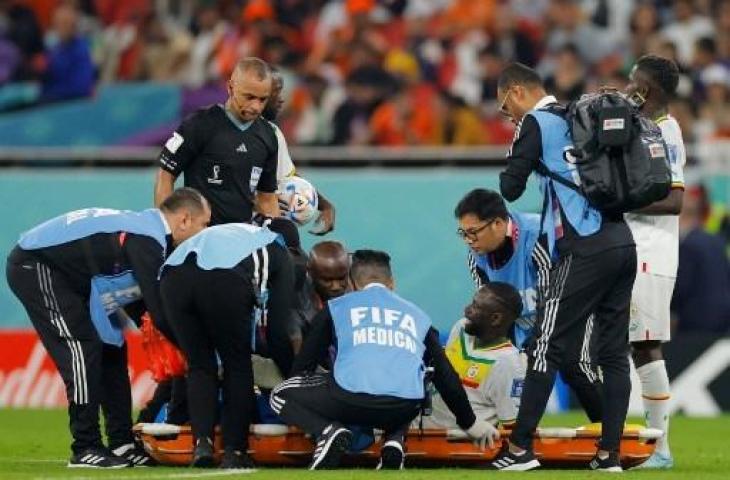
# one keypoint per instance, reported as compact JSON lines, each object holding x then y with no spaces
{"x":473,"y":233}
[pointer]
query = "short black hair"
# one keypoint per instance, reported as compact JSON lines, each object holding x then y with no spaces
{"x":518,"y":74}
{"x":370,"y":266}
{"x":485,"y":204}
{"x":184,"y":197}
{"x":507,"y":297}
{"x":662,"y":71}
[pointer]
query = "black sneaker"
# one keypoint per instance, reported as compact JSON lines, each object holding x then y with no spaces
{"x":609,"y":464}
{"x":331,"y":445}
{"x":134,"y":455}
{"x":392,"y":456}
{"x":97,"y":458}
{"x":510,"y":462}
{"x":203,"y":453}
{"x":236,"y":459}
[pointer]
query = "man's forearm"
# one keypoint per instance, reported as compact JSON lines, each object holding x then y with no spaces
{"x":164,"y":186}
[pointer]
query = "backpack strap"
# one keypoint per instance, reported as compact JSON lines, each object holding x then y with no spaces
{"x":543,"y":170}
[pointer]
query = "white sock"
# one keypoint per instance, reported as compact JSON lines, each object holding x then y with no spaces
{"x":655,"y":393}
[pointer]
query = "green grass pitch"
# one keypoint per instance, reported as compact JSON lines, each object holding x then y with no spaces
{"x":34,"y":445}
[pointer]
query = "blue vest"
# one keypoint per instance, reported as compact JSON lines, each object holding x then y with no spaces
{"x":225,"y":246}
{"x":520,"y":272}
{"x":222,"y":246}
{"x":109,"y":292}
{"x":380,"y":343}
{"x":556,"y":144}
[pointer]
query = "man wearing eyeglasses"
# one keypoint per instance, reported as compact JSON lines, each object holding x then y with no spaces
{"x":594,"y":271}
{"x":504,"y":247}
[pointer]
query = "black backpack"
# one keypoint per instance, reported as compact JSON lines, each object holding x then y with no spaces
{"x":620,"y":155}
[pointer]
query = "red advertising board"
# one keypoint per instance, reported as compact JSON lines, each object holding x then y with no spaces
{"x":28,"y":377}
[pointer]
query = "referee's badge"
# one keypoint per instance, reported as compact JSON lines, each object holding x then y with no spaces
{"x":255,"y":176}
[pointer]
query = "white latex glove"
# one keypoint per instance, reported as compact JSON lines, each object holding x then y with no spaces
{"x":483,"y":433}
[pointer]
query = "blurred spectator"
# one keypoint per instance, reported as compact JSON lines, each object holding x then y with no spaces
{"x":715,"y":112}
{"x":400,"y":121}
{"x":567,"y":82}
{"x":21,"y":42}
{"x":164,"y":52}
{"x":210,"y":29}
{"x":570,"y":26}
{"x":512,"y":44}
{"x":701,"y":300}
{"x":688,"y":27}
{"x":365,"y":89}
{"x":461,"y":125}
{"x":644,"y":27}
{"x":316,"y":104}
{"x":69,"y":72}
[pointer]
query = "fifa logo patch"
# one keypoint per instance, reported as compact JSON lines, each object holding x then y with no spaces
{"x":215,"y":178}
{"x":517,"y":385}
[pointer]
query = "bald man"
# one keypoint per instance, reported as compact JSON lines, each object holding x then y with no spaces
{"x":228,"y":152}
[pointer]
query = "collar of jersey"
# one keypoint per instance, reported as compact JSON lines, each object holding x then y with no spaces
{"x":373,"y":284}
{"x":545,"y":101}
{"x":168,"y":230}
{"x":242,"y":126}
{"x":467,"y":344}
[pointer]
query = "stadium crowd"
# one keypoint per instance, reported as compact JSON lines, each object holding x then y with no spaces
{"x":375,"y":71}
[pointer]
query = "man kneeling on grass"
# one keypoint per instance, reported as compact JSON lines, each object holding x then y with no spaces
{"x":383,"y":344}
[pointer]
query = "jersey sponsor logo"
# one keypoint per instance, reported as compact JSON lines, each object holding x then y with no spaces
{"x":242,"y":148}
{"x":255,"y":176}
{"x":517,"y":385}
{"x":173,"y":143}
{"x":215,"y":176}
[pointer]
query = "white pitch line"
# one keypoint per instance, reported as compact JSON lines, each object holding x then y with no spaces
{"x":219,"y":473}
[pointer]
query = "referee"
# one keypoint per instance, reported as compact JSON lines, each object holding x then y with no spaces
{"x":594,"y":273}
{"x":78,"y":276}
{"x":217,"y":287}
{"x":228,"y":152}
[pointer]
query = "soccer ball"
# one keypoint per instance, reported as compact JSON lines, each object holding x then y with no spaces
{"x":298,"y":200}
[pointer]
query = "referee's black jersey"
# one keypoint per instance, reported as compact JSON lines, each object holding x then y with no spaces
{"x":107,"y":254}
{"x":224,"y":159}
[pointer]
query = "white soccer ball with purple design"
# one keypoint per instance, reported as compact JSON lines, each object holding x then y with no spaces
{"x":298,"y":200}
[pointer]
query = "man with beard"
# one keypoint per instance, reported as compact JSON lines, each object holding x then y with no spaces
{"x":488,"y":364}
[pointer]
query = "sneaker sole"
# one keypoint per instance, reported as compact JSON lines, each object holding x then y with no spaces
{"x":391,"y":458}
{"x":333,"y":450}
{"x":203,"y":462}
{"x":522,"y":467}
{"x":84,"y":465}
{"x":614,"y":469}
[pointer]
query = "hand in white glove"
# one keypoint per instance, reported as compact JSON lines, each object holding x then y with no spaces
{"x":483,"y":433}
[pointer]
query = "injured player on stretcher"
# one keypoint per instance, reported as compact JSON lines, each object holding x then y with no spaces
{"x":490,"y":367}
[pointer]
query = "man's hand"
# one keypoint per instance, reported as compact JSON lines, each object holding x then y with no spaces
{"x":483,"y":433}
{"x":325,"y":222}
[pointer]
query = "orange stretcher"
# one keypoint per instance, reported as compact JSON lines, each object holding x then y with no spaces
{"x":286,"y":446}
